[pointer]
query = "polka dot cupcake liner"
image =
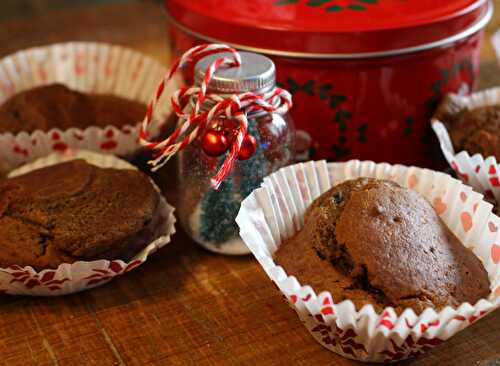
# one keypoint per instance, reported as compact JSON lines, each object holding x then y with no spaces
{"x":275,"y":212}
{"x":480,"y":172}
{"x":82,"y":275}
{"x":90,"y":68}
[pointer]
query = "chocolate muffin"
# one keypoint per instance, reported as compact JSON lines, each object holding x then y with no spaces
{"x":56,"y":106}
{"x":476,"y":131}
{"x":374,"y":242}
{"x":76,"y":211}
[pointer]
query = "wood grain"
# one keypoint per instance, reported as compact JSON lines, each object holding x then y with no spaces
{"x":184,"y":306}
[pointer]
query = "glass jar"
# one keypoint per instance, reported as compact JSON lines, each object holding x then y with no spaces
{"x":207,"y":214}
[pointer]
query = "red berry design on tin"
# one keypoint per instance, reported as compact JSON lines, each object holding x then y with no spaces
{"x":492,"y":169}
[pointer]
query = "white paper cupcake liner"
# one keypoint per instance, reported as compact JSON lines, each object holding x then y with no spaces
{"x":275,"y":212}
{"x":478,"y":171}
{"x":82,"y":275}
{"x":90,"y":68}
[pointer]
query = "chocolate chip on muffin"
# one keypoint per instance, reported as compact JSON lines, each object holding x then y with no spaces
{"x":76,"y":211}
{"x":56,"y":106}
{"x":374,"y":242}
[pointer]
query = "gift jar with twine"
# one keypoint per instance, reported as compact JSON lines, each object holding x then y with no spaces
{"x":233,"y":130}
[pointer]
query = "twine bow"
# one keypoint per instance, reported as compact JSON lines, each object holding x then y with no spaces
{"x":194,"y":123}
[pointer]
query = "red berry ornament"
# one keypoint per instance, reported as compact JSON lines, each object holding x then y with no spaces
{"x":214,"y":143}
{"x":248,"y":148}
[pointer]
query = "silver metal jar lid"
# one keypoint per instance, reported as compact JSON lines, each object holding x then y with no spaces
{"x":256,"y":73}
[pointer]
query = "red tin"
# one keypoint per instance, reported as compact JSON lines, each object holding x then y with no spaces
{"x":366,"y":75}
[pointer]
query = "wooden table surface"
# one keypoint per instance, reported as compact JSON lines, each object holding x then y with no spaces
{"x":184,"y":306}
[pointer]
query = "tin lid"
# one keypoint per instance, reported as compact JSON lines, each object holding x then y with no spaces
{"x":256,"y":73}
{"x":329,"y":28}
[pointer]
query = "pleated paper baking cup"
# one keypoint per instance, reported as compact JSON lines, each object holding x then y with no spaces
{"x":480,"y":172}
{"x":86,"y":67}
{"x":82,"y":275}
{"x":275,"y":212}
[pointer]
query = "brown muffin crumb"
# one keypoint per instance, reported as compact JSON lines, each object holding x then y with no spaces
{"x":57,"y":106}
{"x":374,"y":242}
{"x":476,"y":131}
{"x":76,"y":211}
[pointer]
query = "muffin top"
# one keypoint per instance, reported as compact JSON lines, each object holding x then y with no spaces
{"x":476,"y":131}
{"x":75,"y":211}
{"x":373,"y":241}
{"x":57,"y":106}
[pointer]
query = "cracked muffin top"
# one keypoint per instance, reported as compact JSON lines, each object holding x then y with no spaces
{"x":56,"y":106}
{"x":76,"y":211}
{"x":374,"y":242}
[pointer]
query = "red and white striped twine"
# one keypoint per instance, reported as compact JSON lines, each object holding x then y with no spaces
{"x":235,"y":107}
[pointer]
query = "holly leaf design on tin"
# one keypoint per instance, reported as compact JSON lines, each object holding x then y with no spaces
{"x":293,"y":86}
{"x":323,"y":91}
{"x":317,"y":2}
{"x":334,"y":102}
{"x":336,"y":99}
{"x":356,"y":5}
{"x":285,"y":2}
{"x":308,"y":87}
{"x":342,"y":115}
{"x":409,"y":126}
{"x":334,"y":8}
{"x":362,"y":132}
{"x":340,"y":151}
